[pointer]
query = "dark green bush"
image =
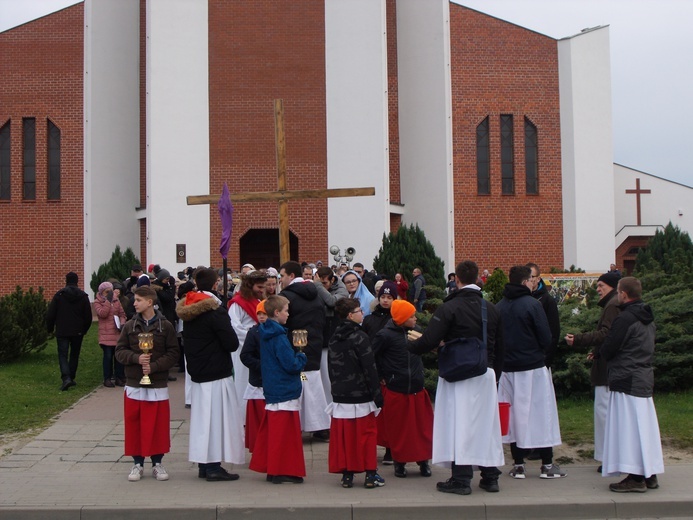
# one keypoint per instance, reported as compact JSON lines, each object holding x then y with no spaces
{"x":493,"y":288}
{"x":22,"y":324}
{"x":117,"y":267}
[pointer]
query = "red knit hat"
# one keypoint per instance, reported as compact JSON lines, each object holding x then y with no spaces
{"x":401,"y":311}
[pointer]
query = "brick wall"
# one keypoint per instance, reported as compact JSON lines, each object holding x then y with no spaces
{"x":500,"y":68}
{"x":393,"y":103}
{"x":261,"y":51}
{"x":42,"y":66}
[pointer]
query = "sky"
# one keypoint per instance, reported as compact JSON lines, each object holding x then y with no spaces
{"x":651,"y":66}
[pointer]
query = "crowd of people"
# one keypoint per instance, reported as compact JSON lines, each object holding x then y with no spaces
{"x":335,"y":352}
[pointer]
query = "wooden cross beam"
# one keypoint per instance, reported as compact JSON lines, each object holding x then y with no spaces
{"x":282,"y":195}
{"x":637,"y":191}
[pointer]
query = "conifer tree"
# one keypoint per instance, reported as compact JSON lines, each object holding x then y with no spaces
{"x":117,"y":267}
{"x":406,"y":249}
{"x":667,"y":259}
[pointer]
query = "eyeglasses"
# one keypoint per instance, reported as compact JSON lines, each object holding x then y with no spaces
{"x":351,"y":282}
{"x":356,"y":311}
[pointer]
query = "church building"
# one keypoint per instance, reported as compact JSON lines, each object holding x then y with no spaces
{"x":496,"y":140}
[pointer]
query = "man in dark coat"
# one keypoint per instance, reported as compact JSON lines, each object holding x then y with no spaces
{"x":307,"y":312}
{"x":608,"y":301}
{"x":69,"y":313}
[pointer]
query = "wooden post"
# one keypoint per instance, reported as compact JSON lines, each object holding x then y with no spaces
{"x":280,"y":144}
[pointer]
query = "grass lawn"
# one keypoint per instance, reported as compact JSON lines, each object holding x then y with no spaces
{"x":31,"y":386}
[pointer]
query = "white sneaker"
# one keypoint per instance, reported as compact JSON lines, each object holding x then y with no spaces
{"x":136,"y":473}
{"x":159,"y":472}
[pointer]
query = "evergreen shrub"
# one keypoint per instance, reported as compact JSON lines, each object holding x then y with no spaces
{"x":22,"y":324}
{"x":118,"y":267}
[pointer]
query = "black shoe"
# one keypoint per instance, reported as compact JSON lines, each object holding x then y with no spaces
{"x":119,"y":382}
{"x":108,"y":383}
{"x":489,"y":485}
{"x":599,"y":469}
{"x":454,"y":486}
{"x":652,"y":482}
{"x":280,"y":479}
{"x":67,"y":384}
{"x":323,"y":435}
{"x":219,"y":474}
{"x":387,"y":458}
{"x":171,"y":378}
{"x":269,"y":478}
{"x":188,"y":406}
{"x":348,"y":480}
{"x":400,"y":470}
{"x":424,"y":468}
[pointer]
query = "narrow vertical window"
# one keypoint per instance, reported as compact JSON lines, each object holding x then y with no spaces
{"x":5,"y":161}
{"x":483,"y":159}
{"x":531,"y":158}
{"x":29,"y":141}
{"x":507,"y":155}
{"x":53,"y":161}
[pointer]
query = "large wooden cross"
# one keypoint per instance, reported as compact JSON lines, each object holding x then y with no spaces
{"x":637,"y":191}
{"x":282,"y":195}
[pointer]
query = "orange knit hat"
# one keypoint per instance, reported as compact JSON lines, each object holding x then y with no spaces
{"x":261,"y":307}
{"x":401,"y":311}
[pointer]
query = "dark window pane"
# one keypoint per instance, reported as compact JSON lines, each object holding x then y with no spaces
{"x":29,"y":153}
{"x":5,"y":162}
{"x":531,"y":158}
{"x":483,"y":159}
{"x":507,"y":155}
{"x":53,"y":161}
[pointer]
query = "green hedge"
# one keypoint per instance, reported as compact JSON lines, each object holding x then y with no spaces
{"x":22,"y":324}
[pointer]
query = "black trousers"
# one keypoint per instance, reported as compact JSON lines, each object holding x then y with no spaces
{"x":518,"y":454}
{"x":464,"y":473}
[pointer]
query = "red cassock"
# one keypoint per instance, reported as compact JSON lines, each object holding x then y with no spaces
{"x":409,"y":425}
{"x":147,"y":427}
{"x":353,"y":445}
{"x":381,"y":420}
{"x":254,"y":413}
{"x":279,"y":445}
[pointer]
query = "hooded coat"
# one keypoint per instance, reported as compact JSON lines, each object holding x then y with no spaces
{"x":106,"y":311}
{"x":351,"y":364}
{"x":208,"y":337}
{"x":69,"y":312}
{"x":629,"y":350}
{"x":401,"y":370}
{"x":281,"y":366}
{"x":164,"y":355}
{"x":306,"y":311}
{"x":526,"y":332}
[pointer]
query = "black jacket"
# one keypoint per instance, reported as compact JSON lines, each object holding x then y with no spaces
{"x":526,"y":331}
{"x":629,"y":350}
{"x":610,"y":310}
{"x":548,"y":303}
{"x":401,"y":370}
{"x":351,"y":366}
{"x":209,"y":340}
{"x":250,"y":356}
{"x":166,"y":296}
{"x":164,"y":355}
{"x":376,"y":321}
{"x":460,"y":317}
{"x":306,"y":311}
{"x":69,"y":312}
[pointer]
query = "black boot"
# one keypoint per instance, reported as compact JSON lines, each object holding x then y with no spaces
{"x":400,"y":470}
{"x":424,"y":468}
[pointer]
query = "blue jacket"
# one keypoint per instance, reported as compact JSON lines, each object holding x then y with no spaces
{"x":280,"y":365}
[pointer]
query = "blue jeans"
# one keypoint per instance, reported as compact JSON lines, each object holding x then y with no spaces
{"x":69,"y":348}
{"x":110,"y":362}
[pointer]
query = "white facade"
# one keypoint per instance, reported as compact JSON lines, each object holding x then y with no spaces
{"x":111,"y":129}
{"x":177,"y":131}
{"x":357,"y":124}
{"x":586,"y":149}
{"x":425,"y":121}
{"x":667,"y":202}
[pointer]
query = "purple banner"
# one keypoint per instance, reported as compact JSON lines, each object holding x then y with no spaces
{"x":226,"y":215}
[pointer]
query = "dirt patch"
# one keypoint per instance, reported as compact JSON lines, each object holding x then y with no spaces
{"x":583,"y":453}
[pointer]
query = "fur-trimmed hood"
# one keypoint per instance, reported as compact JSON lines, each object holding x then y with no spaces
{"x":190,"y":308}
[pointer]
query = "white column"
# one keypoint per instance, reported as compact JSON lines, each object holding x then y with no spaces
{"x":425,"y":121}
{"x":111,"y":129}
{"x":587,"y":150}
{"x":357,"y":123}
{"x":177,"y":131}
